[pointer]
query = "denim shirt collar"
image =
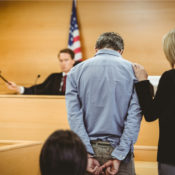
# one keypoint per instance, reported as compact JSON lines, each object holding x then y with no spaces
{"x":108,"y":51}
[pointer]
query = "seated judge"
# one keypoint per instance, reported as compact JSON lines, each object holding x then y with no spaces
{"x":55,"y":83}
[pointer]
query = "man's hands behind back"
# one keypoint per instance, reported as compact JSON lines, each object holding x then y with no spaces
{"x":111,"y":167}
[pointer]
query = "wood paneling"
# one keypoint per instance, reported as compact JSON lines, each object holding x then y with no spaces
{"x":20,"y":158}
{"x":145,"y":168}
{"x":31,"y":117}
{"x":26,"y":122}
{"x":36,"y":117}
{"x":145,"y":153}
{"x":32,"y":33}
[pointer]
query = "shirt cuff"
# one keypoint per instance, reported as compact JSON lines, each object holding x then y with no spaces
{"x":90,"y":149}
{"x":21,"y":90}
{"x":120,"y":153}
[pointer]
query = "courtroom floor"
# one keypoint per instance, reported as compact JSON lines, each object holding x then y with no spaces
{"x":146,"y":168}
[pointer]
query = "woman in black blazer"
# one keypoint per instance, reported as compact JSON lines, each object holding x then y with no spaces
{"x":161,"y":107}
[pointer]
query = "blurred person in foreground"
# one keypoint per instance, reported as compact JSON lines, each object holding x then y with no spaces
{"x":63,"y":153}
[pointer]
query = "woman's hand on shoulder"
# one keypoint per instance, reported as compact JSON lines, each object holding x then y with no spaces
{"x":140,"y":72}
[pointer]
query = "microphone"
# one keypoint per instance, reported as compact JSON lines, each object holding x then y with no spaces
{"x":38,"y":76}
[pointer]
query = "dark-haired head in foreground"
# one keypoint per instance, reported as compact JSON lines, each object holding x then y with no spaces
{"x":63,"y":153}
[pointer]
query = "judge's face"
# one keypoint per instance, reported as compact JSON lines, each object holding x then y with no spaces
{"x":66,"y":62}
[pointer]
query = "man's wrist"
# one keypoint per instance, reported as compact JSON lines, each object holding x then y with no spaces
{"x":114,"y":158}
{"x":90,"y":156}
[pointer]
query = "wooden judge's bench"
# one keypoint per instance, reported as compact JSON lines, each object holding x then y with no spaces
{"x":27,"y":120}
{"x":31,"y":117}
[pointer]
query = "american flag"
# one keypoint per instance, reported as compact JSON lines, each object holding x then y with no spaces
{"x":74,"y":36}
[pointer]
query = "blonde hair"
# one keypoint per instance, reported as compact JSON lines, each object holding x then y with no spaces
{"x":169,"y":47}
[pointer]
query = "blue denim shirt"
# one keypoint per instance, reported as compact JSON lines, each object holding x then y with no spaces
{"x":102,"y":102}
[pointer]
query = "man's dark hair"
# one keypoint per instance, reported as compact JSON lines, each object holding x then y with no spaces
{"x":67,"y":50}
{"x":110,"y":40}
{"x":63,"y":153}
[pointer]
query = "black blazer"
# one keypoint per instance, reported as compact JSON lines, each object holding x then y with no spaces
{"x":162,"y":107}
{"x":51,"y":86}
